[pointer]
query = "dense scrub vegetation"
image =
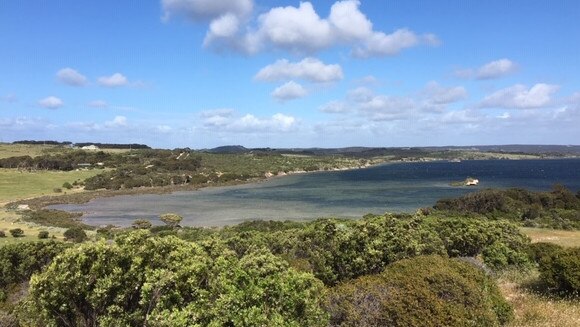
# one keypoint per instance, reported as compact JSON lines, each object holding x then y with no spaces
{"x":558,"y":208}
{"x":277,"y":274}
{"x":559,"y":267}
{"x":142,"y":280}
{"x":422,"y":291}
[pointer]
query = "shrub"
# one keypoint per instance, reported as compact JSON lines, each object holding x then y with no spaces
{"x":561,"y":270}
{"x":141,"y":224}
{"x":143,"y":280}
{"x":17,"y":232}
{"x":75,"y":234}
{"x":2,"y":233}
{"x":67,"y":185}
{"x":421,"y":291}
{"x":43,"y":234}
{"x":537,"y":251}
{"x":57,"y":190}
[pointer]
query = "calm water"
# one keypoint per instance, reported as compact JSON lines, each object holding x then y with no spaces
{"x":401,"y":187}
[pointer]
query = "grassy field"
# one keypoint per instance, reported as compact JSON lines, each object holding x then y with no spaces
{"x":532,"y":308}
{"x":16,"y":185}
{"x":560,"y":237}
{"x":14,"y":150}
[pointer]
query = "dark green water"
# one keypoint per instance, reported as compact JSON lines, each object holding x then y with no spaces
{"x":400,"y":187}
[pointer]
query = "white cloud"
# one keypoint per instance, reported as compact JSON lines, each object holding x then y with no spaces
{"x":217,"y":117}
{"x":361,"y":94}
{"x":334,"y":107}
{"x":251,"y":124}
{"x":98,"y":104}
{"x":495,"y":69}
{"x":438,"y":94}
{"x":520,"y":97}
{"x":114,"y":80}
{"x":51,"y":102}
{"x":226,"y":121}
{"x":71,"y":77}
{"x":289,"y":91}
{"x":310,"y":69}
{"x":381,"y":44}
{"x":301,"y":30}
{"x":118,"y":121}
{"x":491,"y":70}
{"x":461,"y":117}
{"x":204,"y":10}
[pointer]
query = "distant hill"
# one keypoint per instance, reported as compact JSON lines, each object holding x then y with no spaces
{"x":229,"y":149}
{"x":556,"y":150}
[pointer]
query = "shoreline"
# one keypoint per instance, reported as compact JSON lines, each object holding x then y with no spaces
{"x":37,"y":203}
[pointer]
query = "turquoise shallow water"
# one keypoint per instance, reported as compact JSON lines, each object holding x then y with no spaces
{"x":401,"y":187}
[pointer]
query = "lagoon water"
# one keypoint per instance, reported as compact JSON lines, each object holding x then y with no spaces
{"x":399,"y":187}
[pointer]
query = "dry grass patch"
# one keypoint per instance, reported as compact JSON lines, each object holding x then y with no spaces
{"x":534,"y":309}
{"x":564,"y":238}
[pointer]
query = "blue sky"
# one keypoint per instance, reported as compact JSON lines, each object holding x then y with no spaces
{"x":204,"y":73}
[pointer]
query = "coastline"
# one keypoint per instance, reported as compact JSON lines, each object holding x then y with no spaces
{"x":37,"y":203}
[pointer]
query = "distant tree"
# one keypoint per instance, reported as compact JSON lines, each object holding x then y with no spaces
{"x":17,"y":232}
{"x":75,"y":234}
{"x":43,"y":234}
{"x":141,"y":224}
{"x":171,"y":219}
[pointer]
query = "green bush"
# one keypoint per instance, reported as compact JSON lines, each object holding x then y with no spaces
{"x":67,"y":185}
{"x":561,"y":270}
{"x":422,"y":291}
{"x":537,"y":251}
{"x":75,"y":234}
{"x":43,"y":234}
{"x":146,"y":280}
{"x":2,"y":233}
{"x":17,"y":232}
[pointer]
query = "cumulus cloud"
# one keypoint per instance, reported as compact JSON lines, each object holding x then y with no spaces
{"x":310,"y":69}
{"x":289,"y":91}
{"x":520,"y":97}
{"x":302,"y":30}
{"x":204,"y":10}
{"x":491,"y":70}
{"x":98,"y":104}
{"x":438,"y":94}
{"x":495,"y":69}
{"x":71,"y":77}
{"x":114,"y":80}
{"x":118,"y":121}
{"x":250,"y":123}
{"x":334,"y":107}
{"x":216,"y":117}
{"x":225,"y":120}
{"x":51,"y":102}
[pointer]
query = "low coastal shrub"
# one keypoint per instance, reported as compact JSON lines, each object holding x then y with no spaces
{"x":2,"y":233}
{"x":17,"y":232}
{"x":43,"y":234}
{"x":423,"y":291}
{"x":147,"y":280}
{"x":75,"y":234}
{"x":58,"y":218}
{"x":540,"y":250}
{"x":560,"y":270}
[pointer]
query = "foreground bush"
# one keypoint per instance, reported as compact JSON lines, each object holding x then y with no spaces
{"x":560,"y":270}
{"x":19,"y":261}
{"x":149,"y":281}
{"x":422,"y":291}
